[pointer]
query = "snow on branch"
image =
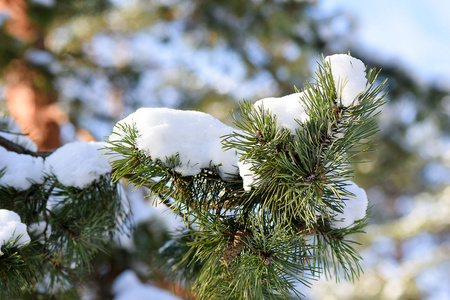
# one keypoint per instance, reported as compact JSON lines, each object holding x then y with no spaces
{"x":270,"y":201}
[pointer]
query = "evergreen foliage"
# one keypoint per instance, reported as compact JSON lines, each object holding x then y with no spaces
{"x":260,"y":244}
{"x":403,"y":172}
{"x":67,"y":226}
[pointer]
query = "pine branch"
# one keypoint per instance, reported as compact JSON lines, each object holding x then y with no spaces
{"x":251,"y":243}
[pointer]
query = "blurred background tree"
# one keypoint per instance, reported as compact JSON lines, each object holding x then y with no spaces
{"x":71,"y":68}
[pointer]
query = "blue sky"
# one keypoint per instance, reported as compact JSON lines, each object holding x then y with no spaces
{"x":413,"y":32}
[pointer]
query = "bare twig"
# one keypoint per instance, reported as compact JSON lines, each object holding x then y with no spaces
{"x":11,"y":146}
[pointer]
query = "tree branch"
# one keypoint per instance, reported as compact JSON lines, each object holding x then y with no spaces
{"x":11,"y":146}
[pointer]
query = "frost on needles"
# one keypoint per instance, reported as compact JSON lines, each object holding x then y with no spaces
{"x":269,"y":203}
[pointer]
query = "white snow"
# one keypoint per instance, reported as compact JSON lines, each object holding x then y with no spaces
{"x":247,"y":173}
{"x":126,"y":280}
{"x":14,"y":135}
{"x":354,"y":206}
{"x":75,"y":164}
{"x":143,"y":210}
{"x":39,"y":228}
{"x":193,"y":135}
{"x":78,"y":164}
{"x":20,"y":139}
{"x":349,"y":75}
{"x":286,"y":109}
{"x":21,"y":169}
{"x":127,"y":286}
{"x":11,"y":227}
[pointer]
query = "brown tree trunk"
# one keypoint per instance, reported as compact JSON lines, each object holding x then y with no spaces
{"x":30,"y":96}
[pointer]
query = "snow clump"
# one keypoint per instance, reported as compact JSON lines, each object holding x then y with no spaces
{"x":246,"y":171}
{"x":21,"y":170}
{"x":194,"y":136}
{"x":349,"y":75}
{"x":287,"y":110}
{"x":128,"y":286}
{"x":78,"y":164}
{"x":11,"y":228}
{"x":354,"y":206}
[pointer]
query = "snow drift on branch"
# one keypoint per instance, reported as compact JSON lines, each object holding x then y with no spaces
{"x":21,"y":170}
{"x":192,"y":135}
{"x":78,"y":164}
{"x":349,"y":75}
{"x":355,"y":206}
{"x":11,"y":228}
{"x":287,"y":110}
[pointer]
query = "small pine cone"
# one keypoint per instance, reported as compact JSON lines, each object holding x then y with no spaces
{"x":268,"y":257}
{"x":234,"y":246}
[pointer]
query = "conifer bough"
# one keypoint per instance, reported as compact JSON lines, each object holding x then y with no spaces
{"x":268,"y":205}
{"x":57,"y":210}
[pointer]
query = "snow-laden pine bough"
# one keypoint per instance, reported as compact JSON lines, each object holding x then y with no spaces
{"x":269,"y":203}
{"x":57,"y":210}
